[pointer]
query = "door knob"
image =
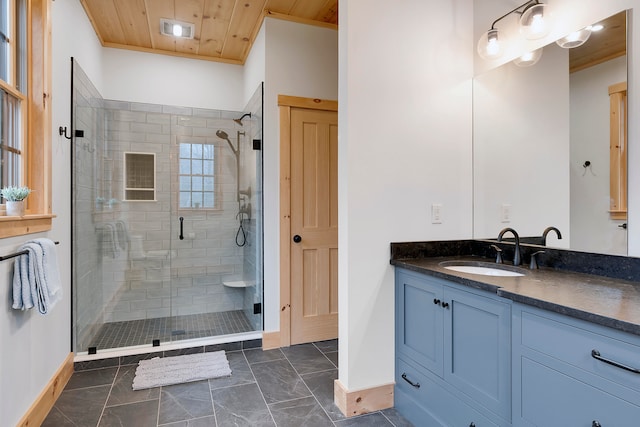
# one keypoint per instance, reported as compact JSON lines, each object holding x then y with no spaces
{"x":297,"y":238}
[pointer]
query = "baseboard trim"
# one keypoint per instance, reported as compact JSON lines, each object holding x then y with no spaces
{"x":358,"y":402}
{"x":39,"y":410}
{"x":271,"y":340}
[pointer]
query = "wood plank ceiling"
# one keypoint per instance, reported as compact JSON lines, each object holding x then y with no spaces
{"x":601,"y":46}
{"x":224,"y":29}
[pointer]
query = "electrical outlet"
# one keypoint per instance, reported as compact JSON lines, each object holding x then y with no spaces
{"x":505,"y":212}
{"x":436,"y":213}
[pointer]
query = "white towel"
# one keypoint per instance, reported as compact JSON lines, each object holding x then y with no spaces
{"x":110,"y":240}
{"x":122,"y":236}
{"x":36,"y":278}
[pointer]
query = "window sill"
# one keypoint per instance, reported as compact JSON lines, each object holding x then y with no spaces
{"x":11,"y":226}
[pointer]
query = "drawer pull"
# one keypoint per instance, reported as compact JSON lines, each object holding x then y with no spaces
{"x":596,"y":424}
{"x":596,"y":355}
{"x":445,"y":305}
{"x":436,"y":301}
{"x":404,"y":377}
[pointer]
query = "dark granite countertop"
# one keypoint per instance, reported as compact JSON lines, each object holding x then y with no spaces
{"x":608,"y":301}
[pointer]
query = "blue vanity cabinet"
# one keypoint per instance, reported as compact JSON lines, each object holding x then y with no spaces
{"x":419,"y":320}
{"x":454,"y":342}
{"x":557,"y":381}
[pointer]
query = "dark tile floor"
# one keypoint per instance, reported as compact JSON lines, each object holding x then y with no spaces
{"x":288,"y":387}
{"x":137,"y":332}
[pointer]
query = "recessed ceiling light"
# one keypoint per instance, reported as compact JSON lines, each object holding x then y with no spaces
{"x":173,"y":28}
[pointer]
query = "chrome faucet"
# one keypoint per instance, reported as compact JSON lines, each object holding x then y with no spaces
{"x":546,"y":231}
{"x":516,"y":255}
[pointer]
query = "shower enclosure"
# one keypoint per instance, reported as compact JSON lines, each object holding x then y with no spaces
{"x":167,"y":221}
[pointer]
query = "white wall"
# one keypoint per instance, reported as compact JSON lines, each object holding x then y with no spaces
{"x":34,"y":346}
{"x":592,"y":230}
{"x":254,"y":66}
{"x":301,"y":60}
{"x":404,"y":143}
{"x":521,"y":147}
{"x":171,"y":80}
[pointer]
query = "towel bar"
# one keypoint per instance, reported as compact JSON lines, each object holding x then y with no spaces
{"x":2,"y":258}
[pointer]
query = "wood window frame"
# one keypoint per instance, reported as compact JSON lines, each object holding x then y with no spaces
{"x":36,"y":173}
{"x":618,"y":151}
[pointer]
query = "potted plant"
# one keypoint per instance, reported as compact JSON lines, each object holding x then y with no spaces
{"x":15,"y":199}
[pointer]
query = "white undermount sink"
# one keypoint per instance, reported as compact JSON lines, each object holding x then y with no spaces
{"x":481,"y":268}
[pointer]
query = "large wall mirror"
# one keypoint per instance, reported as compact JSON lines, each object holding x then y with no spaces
{"x":545,"y":147}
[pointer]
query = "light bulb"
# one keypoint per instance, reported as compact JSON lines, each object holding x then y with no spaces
{"x":489,"y":46}
{"x":529,"y":58}
{"x":535,"y":21}
{"x":177,"y":30}
{"x":575,"y":39}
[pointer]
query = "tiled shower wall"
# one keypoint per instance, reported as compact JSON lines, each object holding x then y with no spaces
{"x":88,"y":299}
{"x":174,"y":277}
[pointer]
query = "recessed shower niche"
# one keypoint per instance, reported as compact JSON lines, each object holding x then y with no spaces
{"x":139,"y":176}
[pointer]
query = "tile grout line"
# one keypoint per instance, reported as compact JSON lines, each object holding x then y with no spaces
{"x":259,"y":388}
{"x":159,"y":402}
{"x":305,"y":384}
{"x":104,"y":407}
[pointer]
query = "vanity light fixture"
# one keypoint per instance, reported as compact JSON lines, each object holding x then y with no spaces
{"x":534,"y":24}
{"x":529,"y":58}
{"x":173,"y":28}
{"x":575,"y":39}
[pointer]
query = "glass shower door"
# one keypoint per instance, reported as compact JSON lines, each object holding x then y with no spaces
{"x":207,"y":257}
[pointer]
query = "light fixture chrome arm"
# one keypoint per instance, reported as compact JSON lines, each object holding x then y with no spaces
{"x":516,"y":10}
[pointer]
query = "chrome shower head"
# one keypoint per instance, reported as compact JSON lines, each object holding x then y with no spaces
{"x":239,"y":121}
{"x":222,"y":134}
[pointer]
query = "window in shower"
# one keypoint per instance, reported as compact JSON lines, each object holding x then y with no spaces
{"x":140,"y":176}
{"x":197,"y":182}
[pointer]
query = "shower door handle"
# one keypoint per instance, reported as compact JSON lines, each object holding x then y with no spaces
{"x":181,"y":228}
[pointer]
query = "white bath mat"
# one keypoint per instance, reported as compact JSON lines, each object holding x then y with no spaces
{"x":161,"y":371}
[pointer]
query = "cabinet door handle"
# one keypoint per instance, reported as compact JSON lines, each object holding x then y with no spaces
{"x":445,"y":305}
{"x":436,"y":301}
{"x":596,"y":424}
{"x":472,"y":424}
{"x":596,"y":355}
{"x":404,"y":377}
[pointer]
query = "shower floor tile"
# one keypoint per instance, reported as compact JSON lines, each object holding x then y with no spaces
{"x":137,"y":332}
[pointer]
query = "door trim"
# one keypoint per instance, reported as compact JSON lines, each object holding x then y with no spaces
{"x":285,"y":104}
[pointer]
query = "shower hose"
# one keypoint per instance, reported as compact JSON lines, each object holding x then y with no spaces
{"x":241,"y":237}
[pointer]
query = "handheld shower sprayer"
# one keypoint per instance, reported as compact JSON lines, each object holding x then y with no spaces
{"x":223,"y":135}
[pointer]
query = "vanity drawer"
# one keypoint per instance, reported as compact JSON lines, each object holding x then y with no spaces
{"x":572,"y":342}
{"x":427,"y":403}
{"x":550,"y":398}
